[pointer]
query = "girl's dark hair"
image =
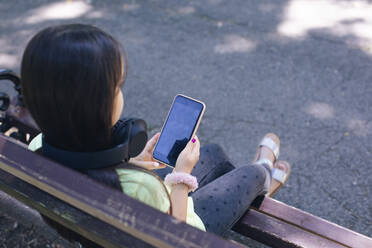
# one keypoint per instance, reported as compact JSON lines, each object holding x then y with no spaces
{"x":69,"y":78}
{"x":70,"y":75}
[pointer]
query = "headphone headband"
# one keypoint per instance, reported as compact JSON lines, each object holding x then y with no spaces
{"x":86,"y":160}
{"x":129,"y":136}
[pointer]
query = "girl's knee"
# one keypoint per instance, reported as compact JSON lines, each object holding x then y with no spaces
{"x":212,"y":148}
{"x":254,"y":172}
{"x":212,"y":155}
{"x":213,"y":152}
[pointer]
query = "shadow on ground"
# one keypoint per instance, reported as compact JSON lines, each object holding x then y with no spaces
{"x":299,"y":69}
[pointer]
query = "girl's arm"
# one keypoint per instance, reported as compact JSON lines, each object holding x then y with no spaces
{"x":179,"y":201}
{"x":185,"y":163}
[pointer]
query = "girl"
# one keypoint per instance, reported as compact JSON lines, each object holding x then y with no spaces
{"x":71,"y":83}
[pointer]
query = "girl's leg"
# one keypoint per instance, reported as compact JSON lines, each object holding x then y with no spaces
{"x":223,"y":201}
{"x":212,"y":163}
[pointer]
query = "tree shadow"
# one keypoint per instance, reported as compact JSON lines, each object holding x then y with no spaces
{"x":298,"y":68}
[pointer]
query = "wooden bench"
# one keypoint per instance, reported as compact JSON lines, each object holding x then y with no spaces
{"x":111,"y":219}
{"x":101,"y":214}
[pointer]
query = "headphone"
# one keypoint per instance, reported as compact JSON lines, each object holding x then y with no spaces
{"x":129,"y":139}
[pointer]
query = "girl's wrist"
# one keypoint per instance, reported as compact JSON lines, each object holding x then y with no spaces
{"x":182,"y":178}
{"x":182,"y":170}
{"x":181,"y":187}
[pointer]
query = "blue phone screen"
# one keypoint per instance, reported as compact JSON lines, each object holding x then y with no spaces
{"x":177,"y":130}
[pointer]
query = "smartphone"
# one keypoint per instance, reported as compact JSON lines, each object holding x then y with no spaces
{"x":181,"y":124}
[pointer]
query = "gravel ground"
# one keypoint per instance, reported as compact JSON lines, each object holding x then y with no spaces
{"x":301,"y":69}
{"x":16,"y":235}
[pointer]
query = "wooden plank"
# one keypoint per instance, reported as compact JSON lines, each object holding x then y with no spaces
{"x":72,"y":218}
{"x":314,"y":224}
{"x":278,"y":234}
{"x":107,"y":205}
{"x":29,"y":217}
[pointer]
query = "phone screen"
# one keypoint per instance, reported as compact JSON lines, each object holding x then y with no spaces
{"x":179,"y":126}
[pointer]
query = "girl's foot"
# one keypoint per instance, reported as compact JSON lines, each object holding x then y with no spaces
{"x":268,"y":150}
{"x":280,"y":174}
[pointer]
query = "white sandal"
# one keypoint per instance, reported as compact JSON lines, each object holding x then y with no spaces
{"x":280,"y":176}
{"x":274,"y":147}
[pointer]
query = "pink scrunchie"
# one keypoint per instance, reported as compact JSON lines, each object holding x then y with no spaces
{"x":181,"y":177}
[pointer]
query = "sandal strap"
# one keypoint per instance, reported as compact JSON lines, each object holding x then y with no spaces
{"x":269,"y":143}
{"x":279,"y":175}
{"x":265,"y":161}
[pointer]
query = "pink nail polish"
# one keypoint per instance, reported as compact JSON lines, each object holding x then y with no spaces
{"x":193,"y":140}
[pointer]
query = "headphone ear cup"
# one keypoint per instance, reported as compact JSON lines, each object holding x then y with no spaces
{"x":120,"y":132}
{"x":132,"y":131}
{"x":138,"y":137}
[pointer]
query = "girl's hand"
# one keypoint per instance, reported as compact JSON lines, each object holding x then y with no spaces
{"x":188,"y":157}
{"x":145,"y":159}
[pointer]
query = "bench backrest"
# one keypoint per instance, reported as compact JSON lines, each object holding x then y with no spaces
{"x":104,"y":215}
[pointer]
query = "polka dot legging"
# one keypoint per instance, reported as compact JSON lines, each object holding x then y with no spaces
{"x":225,"y":192}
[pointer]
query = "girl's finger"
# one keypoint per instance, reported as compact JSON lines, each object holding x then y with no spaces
{"x":161,"y":166}
{"x":189,"y":146}
{"x":195,"y":141}
{"x":148,"y":165}
{"x":151,"y":143}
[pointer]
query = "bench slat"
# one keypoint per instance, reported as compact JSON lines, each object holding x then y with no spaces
{"x":278,"y":234}
{"x":66,"y":215}
{"x":105,"y":204}
{"x":314,"y":224}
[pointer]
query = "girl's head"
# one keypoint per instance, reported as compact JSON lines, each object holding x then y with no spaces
{"x":71,"y":78}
